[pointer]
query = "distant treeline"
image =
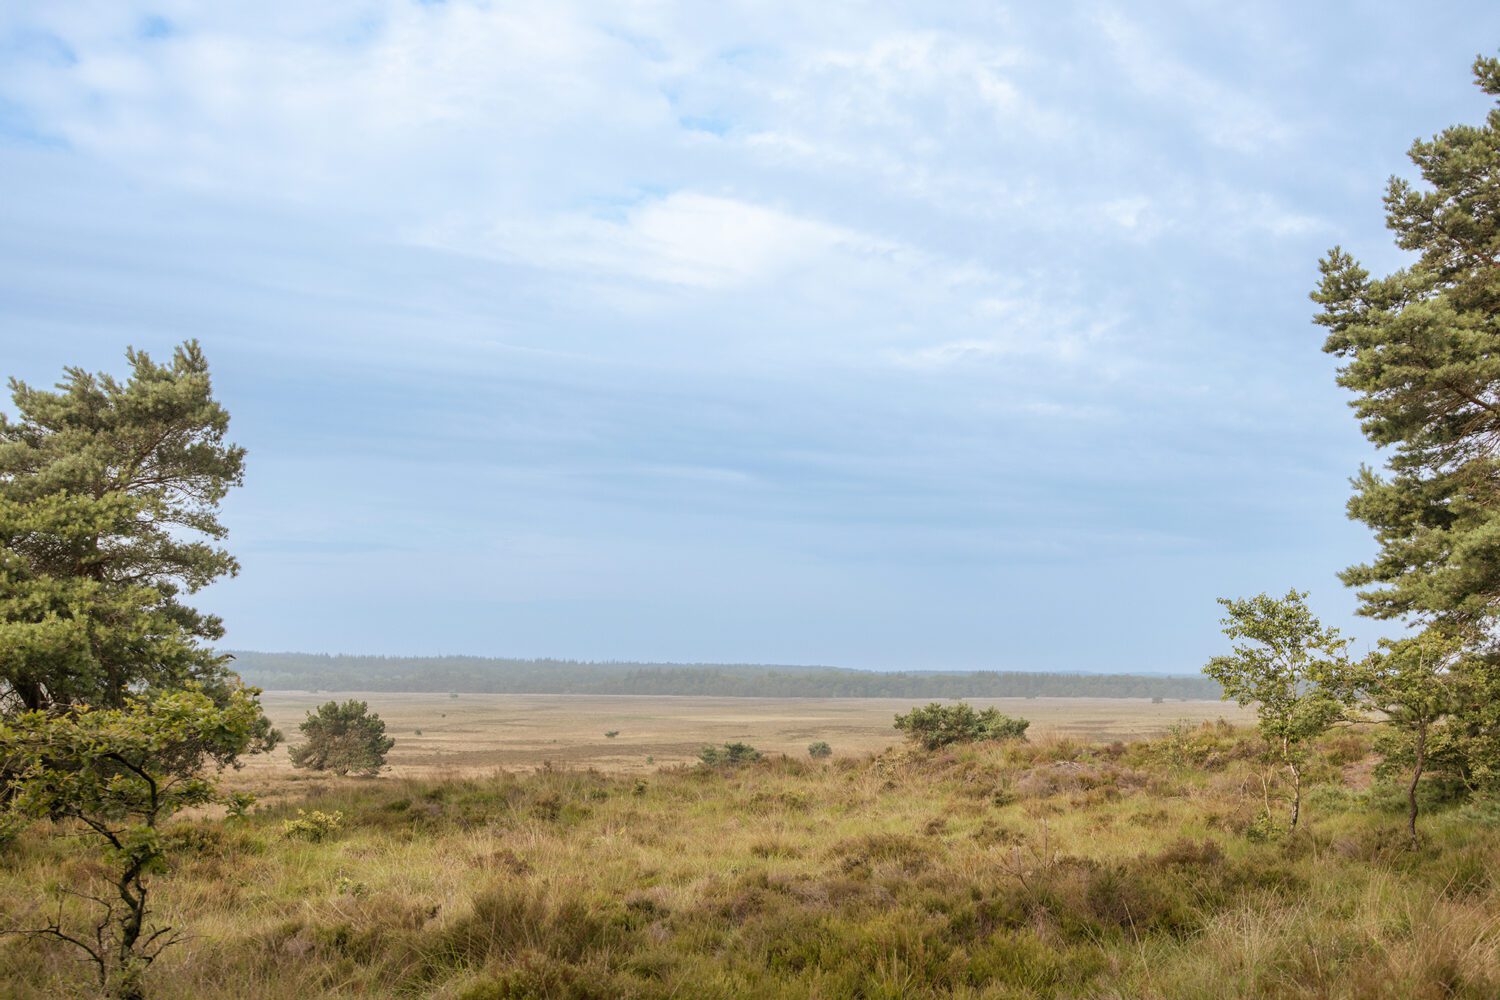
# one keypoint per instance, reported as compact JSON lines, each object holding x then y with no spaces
{"x":483,"y":675}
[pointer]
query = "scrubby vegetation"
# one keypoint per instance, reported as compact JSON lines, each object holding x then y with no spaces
{"x":1021,"y":869}
{"x":935,"y":726}
{"x":729,"y":755}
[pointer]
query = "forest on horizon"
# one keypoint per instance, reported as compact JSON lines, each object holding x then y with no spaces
{"x":498,"y":675}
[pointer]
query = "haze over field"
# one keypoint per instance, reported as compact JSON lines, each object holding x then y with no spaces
{"x":752,"y":334}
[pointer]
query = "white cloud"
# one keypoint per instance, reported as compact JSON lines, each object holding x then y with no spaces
{"x":684,"y":238}
{"x":870,"y":187}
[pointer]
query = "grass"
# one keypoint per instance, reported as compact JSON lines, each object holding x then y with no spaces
{"x":1058,"y":867}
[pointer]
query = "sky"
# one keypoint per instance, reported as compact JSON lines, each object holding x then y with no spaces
{"x":888,"y":335}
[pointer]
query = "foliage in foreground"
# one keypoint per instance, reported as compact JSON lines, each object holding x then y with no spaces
{"x":935,"y":726}
{"x":1036,"y":869}
{"x":118,"y":776}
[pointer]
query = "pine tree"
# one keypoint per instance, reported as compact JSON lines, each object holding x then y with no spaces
{"x":109,"y":495}
{"x":1421,"y":350}
{"x":343,"y":738}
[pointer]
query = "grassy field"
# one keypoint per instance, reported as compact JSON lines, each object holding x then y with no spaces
{"x":476,"y":733}
{"x":1058,"y":867}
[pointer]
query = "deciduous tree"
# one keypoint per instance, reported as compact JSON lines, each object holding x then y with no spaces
{"x":116,"y":775}
{"x":1291,"y":668}
{"x":1413,"y":684}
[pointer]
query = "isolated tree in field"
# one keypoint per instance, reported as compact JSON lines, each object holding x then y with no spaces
{"x":116,"y":775}
{"x":109,"y":494}
{"x":344,"y":739}
{"x":937,"y":725}
{"x":1291,"y":668}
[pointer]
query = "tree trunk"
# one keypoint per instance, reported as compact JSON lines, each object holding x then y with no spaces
{"x":1296,"y":794}
{"x":129,"y":965}
{"x":1416,"y":775}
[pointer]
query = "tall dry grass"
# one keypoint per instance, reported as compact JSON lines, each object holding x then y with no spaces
{"x":1048,"y":869}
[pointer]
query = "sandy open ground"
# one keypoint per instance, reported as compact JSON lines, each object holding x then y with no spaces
{"x":436,"y":733}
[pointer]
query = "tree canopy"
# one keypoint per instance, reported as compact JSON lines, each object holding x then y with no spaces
{"x":1421,"y":350}
{"x":342,"y":738}
{"x":119,"y":774}
{"x":1291,"y":668}
{"x":109,"y":494}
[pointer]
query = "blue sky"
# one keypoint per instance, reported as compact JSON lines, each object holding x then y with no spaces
{"x":878,"y":334}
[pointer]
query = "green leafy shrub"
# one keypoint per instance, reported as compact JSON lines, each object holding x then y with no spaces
{"x":314,"y":827}
{"x":819,"y":750}
{"x":938,"y":725}
{"x":611,"y":734}
{"x":729,"y":754}
{"x":120,"y":774}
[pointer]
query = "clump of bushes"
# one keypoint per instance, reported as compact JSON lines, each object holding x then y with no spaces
{"x":729,"y":754}
{"x":938,"y":725}
{"x":611,"y":734}
{"x":819,"y":750}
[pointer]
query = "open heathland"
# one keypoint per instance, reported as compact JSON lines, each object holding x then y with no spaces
{"x":438,"y":734}
{"x":1052,"y":868}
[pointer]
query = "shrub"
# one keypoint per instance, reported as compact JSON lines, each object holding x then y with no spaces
{"x":611,"y":734}
{"x":729,"y":754}
{"x":819,"y":750}
{"x":315,"y":827}
{"x":11,"y":827}
{"x":939,"y":725}
{"x":343,"y":738}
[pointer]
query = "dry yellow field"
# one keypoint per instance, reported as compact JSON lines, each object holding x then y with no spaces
{"x":438,"y":734}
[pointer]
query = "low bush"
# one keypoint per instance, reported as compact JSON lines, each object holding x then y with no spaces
{"x":315,"y":827}
{"x":729,"y":754}
{"x":937,"y":725}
